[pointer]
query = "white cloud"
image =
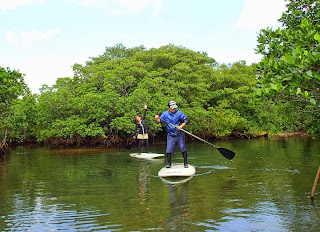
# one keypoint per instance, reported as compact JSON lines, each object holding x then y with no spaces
{"x":12,"y":37}
{"x":42,"y":69}
{"x":27,"y":39}
{"x":258,"y":14}
{"x":12,"y":4}
{"x":234,"y":56}
{"x":150,"y":45}
{"x":46,"y":70}
{"x":120,"y":6}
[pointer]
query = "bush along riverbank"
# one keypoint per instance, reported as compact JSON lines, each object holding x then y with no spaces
{"x":127,"y":142}
{"x":4,"y":148}
{"x":97,"y":105}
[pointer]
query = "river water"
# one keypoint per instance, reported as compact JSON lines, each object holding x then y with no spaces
{"x":266,"y":187}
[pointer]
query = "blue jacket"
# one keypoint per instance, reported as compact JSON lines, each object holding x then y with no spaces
{"x":176,"y":118}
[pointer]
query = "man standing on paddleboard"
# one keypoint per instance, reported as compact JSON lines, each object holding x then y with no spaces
{"x":174,"y":134}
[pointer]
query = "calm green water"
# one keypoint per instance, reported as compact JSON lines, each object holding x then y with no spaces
{"x":265,"y":188}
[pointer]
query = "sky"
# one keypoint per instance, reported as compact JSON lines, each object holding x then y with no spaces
{"x":43,"y":39}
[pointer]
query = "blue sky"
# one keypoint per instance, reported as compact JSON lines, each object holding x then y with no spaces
{"x":44,"y":38}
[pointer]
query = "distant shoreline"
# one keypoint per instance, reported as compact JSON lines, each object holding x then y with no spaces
{"x":118,"y":142}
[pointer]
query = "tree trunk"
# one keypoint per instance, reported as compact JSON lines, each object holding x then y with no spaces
{"x":4,"y":146}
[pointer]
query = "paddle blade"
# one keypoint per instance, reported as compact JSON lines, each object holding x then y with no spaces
{"x":128,"y":146}
{"x":226,"y":153}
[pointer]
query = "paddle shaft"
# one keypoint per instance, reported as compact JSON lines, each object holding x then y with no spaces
{"x":223,"y":151}
{"x":187,"y":132}
{"x":315,"y":184}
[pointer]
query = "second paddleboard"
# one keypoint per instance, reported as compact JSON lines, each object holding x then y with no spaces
{"x":146,"y":155}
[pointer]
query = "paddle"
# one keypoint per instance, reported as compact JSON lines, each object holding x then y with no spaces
{"x":128,"y":146}
{"x":224,"y":151}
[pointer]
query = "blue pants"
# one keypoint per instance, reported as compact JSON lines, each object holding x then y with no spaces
{"x":173,"y":140}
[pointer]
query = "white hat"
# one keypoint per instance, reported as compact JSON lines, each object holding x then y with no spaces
{"x":172,"y":105}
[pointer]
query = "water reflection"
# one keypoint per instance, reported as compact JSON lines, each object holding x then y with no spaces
{"x":180,"y":218}
{"x":175,"y":180}
{"x":316,"y":213}
{"x":3,"y":172}
{"x":42,"y":214}
{"x":143,"y":179}
{"x":266,"y":188}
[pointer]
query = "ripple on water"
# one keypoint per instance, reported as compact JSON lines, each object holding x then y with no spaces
{"x":58,"y":217}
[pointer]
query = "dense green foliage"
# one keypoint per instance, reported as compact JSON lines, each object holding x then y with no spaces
{"x":290,"y":71}
{"x":97,"y":105}
{"x":12,"y":86}
{"x":104,"y":95}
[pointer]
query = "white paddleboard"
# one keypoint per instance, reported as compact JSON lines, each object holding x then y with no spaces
{"x":146,"y":155}
{"x":176,"y":179}
{"x":177,"y":170}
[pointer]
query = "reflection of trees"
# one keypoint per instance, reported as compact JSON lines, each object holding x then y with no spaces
{"x":37,"y":188}
{"x":3,"y":170}
{"x":180,"y":218}
{"x":267,"y":183}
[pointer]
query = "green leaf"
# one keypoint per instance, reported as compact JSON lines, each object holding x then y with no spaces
{"x":298,"y":90}
{"x":288,"y":58}
{"x":273,"y":86}
{"x":309,"y":73}
{"x":313,"y":101}
{"x":317,"y":37}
